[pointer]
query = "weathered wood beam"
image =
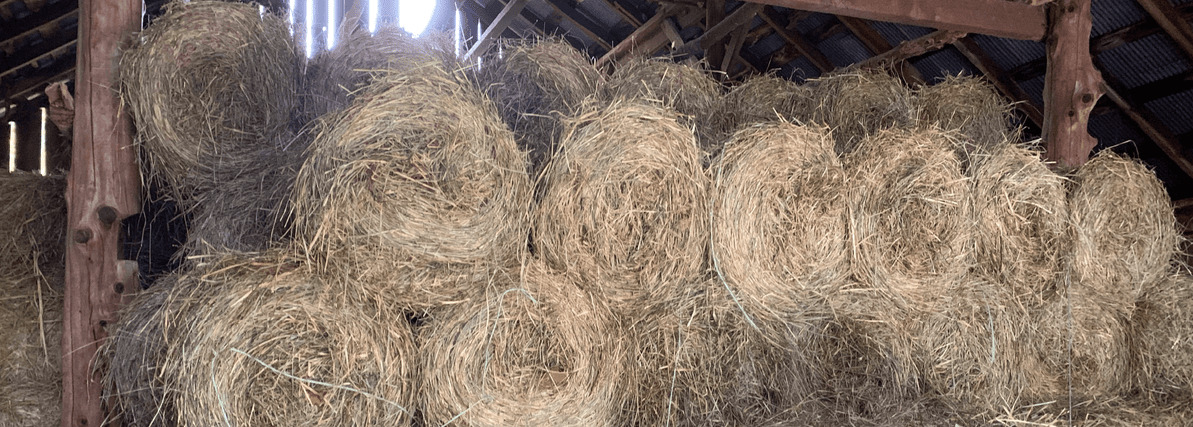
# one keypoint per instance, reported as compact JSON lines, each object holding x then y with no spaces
{"x":993,"y":17}
{"x":103,"y":187}
{"x":878,"y":45}
{"x":39,"y":16}
{"x":738,"y":18}
{"x":909,"y":49}
{"x":733,"y":49}
{"x":1167,"y":16}
{"x":1151,"y":125}
{"x":649,"y":37}
{"x":672,"y":33}
{"x":1072,"y":85}
{"x":806,"y":49}
{"x":595,"y":31}
{"x":714,"y":12}
{"x":34,"y":85}
{"x":499,"y":24}
{"x":626,"y":13}
{"x":1009,"y":88}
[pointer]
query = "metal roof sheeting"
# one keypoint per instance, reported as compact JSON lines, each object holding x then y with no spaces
{"x":1145,"y":60}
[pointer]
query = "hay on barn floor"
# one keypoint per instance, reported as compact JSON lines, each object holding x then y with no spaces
{"x":970,"y":106}
{"x":268,"y":343}
{"x":1162,"y":328}
{"x":779,"y":220}
{"x":1022,"y":220}
{"x":908,"y":213}
{"x":1081,"y":334}
{"x":626,"y":196}
{"x":686,"y":88}
{"x":534,"y":83}
{"x":420,"y":171}
{"x":1124,"y":229}
{"x":860,"y":103}
{"x":209,"y":82}
{"x":764,"y":98}
{"x":132,"y":357}
{"x":530,"y":348}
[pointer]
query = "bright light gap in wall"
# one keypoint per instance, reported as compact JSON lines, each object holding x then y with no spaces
{"x":12,"y":146}
{"x":373,"y":6}
{"x":331,"y":24}
{"x":41,"y":161}
{"x":290,"y":15}
{"x":310,"y":21}
{"x":457,"y":32}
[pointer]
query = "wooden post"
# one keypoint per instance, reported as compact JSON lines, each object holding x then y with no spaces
{"x":1071,"y":85}
{"x":103,"y":187}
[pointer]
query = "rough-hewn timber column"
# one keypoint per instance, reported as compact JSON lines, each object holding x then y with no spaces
{"x":1072,"y":85}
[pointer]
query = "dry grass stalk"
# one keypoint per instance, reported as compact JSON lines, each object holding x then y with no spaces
{"x":209,"y":83}
{"x":686,"y":88}
{"x":970,"y":106}
{"x":779,"y":220}
{"x":1125,"y":232}
{"x":1162,"y":331}
{"x":908,"y":216}
{"x":420,"y":172}
{"x":625,"y":196}
{"x":1022,"y":221}
{"x":764,"y":98}
{"x":860,"y":103}
{"x":528,"y":348}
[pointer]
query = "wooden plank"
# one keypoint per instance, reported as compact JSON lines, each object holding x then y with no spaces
{"x":734,"y":47}
{"x":649,"y":37}
{"x":594,"y":30}
{"x":103,"y":187}
{"x":999,"y":18}
{"x":738,"y":18}
{"x":1151,"y":125}
{"x":1072,"y":85}
{"x":878,"y":45}
{"x":806,"y":49}
{"x":1009,"y":88}
{"x":503,"y":20}
{"x":1167,"y":16}
{"x":909,"y":49}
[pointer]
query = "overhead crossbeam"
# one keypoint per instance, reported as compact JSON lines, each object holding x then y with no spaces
{"x":998,"y":18}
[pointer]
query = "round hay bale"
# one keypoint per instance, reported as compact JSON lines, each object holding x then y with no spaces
{"x":419,"y":171}
{"x":30,"y":346}
{"x":626,"y":196}
{"x":534,"y":83}
{"x":535,"y":350}
{"x":970,"y":106}
{"x":764,"y":98}
{"x":1162,"y":328}
{"x":1081,"y":335}
{"x":686,"y":88}
{"x":131,"y":359}
{"x":1022,"y":220}
{"x":1124,"y":228}
{"x":908,"y":213}
{"x":209,"y":81}
{"x":268,"y":344}
{"x":778,"y":220}
{"x":860,"y":103}
{"x":33,"y":221}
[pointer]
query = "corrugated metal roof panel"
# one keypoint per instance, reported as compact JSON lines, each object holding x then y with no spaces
{"x":1112,"y":15}
{"x":844,"y":49}
{"x":896,"y":33}
{"x":1173,"y":177}
{"x":800,"y":70}
{"x":1145,"y":60}
{"x":1113,"y":129}
{"x":944,"y":62}
{"x":1034,"y":89}
{"x":1008,"y":53}
{"x":1174,"y":111}
{"x":600,"y":11}
{"x":812,"y":22}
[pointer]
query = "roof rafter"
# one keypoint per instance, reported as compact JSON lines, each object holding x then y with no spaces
{"x":909,"y":49}
{"x":878,"y":45}
{"x":738,"y":18}
{"x":499,"y":24}
{"x":595,"y":31}
{"x":1166,"y":15}
{"x":806,"y":49}
{"x":994,"y":17}
{"x":1147,"y":122}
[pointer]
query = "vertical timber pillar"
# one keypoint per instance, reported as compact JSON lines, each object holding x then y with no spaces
{"x":1072,"y":85}
{"x":103,"y":187}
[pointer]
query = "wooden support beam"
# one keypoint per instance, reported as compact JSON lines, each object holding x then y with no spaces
{"x":499,"y":24}
{"x":103,"y":187}
{"x":738,"y":18}
{"x":649,"y":37}
{"x":1151,"y":125}
{"x":714,"y":12}
{"x":1009,"y":88}
{"x":672,"y":33}
{"x":806,"y":49}
{"x":993,"y":17}
{"x":909,"y":49}
{"x":626,"y":13}
{"x":733,"y":49}
{"x":878,"y":45}
{"x":1072,"y":85}
{"x":35,"y":85}
{"x":1167,"y":16}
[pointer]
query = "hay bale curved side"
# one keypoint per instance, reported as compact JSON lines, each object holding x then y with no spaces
{"x":269,"y":344}
{"x":1162,"y":326}
{"x":909,"y":209}
{"x":778,"y":220}
{"x":1125,"y":232}
{"x":626,"y":195}
{"x":421,"y":169}
{"x":131,"y":358}
{"x":1081,"y":335}
{"x":535,"y":350}
{"x":859,"y":104}
{"x":1022,"y":220}
{"x":686,"y":88}
{"x":970,"y":106}
{"x":210,"y":82}
{"x":764,"y":98}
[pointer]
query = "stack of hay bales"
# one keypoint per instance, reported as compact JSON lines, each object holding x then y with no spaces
{"x":534,"y":84}
{"x":211,"y":86}
{"x":970,"y":106}
{"x":685,"y":88}
{"x":860,"y":103}
{"x":33,"y":224}
{"x":1162,"y":327}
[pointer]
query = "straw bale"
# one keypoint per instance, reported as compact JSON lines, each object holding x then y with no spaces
{"x":208,"y":80}
{"x":686,"y":88}
{"x":419,"y":172}
{"x":33,"y":226}
{"x":30,"y":337}
{"x":970,"y":106}
{"x":533,"y":83}
{"x":131,"y":359}
{"x":1022,"y":220}
{"x":764,"y":98}
{"x":262,"y":341}
{"x":1124,"y":229}
{"x":625,"y":196}
{"x":1162,"y":327}
{"x":779,"y":219}
{"x":908,"y":215}
{"x":860,"y":103}
{"x":1081,"y":334}
{"x":528,"y":348}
